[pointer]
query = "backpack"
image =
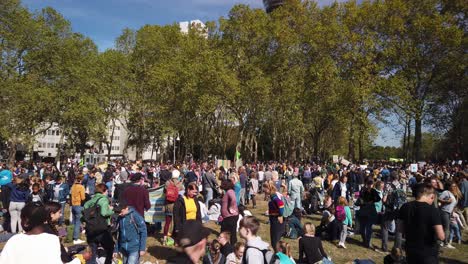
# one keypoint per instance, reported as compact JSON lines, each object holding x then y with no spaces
{"x":340,"y":213}
{"x":172,"y":192}
{"x":95,"y":222}
{"x":395,"y":199}
{"x":268,"y":255}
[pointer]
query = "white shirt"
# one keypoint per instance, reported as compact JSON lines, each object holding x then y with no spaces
{"x":26,"y":249}
{"x":261,"y":175}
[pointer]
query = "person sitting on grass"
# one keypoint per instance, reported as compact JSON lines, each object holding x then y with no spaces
{"x":310,"y":247}
{"x":236,"y":256}
{"x":215,"y":256}
{"x":294,"y":223}
{"x":283,"y":254}
{"x":224,"y":239}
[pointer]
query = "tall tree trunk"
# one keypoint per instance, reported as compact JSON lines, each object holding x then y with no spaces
{"x":12,"y":152}
{"x":408,"y":140}
{"x":417,"y":138}
{"x":361,"y":143}
{"x":351,"y":140}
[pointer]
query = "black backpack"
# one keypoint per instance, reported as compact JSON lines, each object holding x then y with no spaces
{"x":268,"y":255}
{"x":95,"y":222}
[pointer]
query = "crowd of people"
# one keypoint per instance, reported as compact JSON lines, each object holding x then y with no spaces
{"x":422,"y":210}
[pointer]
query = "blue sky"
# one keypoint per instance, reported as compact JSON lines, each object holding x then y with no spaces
{"x":103,"y":21}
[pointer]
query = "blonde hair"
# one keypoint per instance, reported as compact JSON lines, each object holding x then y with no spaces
{"x":309,"y":228}
{"x":234,"y":176}
{"x":270,"y":185}
{"x":274,"y":175}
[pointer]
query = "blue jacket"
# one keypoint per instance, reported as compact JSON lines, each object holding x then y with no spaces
{"x":17,"y":194}
{"x":132,"y":233}
{"x":63,"y":192}
{"x":90,"y":183}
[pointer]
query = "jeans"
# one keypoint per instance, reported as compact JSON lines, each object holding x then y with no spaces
{"x":131,"y":258}
{"x":209,"y":196}
{"x":106,"y":241}
{"x":242,"y":196}
{"x":445,"y":224}
{"x":343,"y":234}
{"x":15,"y":213}
{"x":62,"y":209}
{"x":387,"y":226}
{"x":455,"y":230}
{"x":76,"y":212}
{"x":109,"y":188}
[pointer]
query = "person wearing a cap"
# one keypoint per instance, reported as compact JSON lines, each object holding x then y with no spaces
{"x":132,"y":236}
{"x":169,"y":207}
{"x":136,"y":195}
{"x":186,"y":208}
{"x":192,"y":240}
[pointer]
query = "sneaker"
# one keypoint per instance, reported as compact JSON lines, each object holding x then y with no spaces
{"x":450,"y":246}
{"x":343,"y":245}
{"x":78,"y":241}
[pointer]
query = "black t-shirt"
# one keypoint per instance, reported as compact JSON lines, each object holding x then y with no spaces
{"x":419,"y":219}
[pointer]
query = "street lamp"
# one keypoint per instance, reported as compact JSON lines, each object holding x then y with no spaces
{"x":175,"y":144}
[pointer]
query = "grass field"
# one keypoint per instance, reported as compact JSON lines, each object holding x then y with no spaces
{"x":157,"y":253}
{"x":354,"y":250}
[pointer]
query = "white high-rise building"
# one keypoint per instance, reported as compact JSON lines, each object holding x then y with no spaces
{"x":186,"y":25}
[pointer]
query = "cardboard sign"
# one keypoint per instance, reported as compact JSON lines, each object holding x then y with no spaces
{"x":414,"y":167}
{"x":335,"y":159}
{"x":345,"y":162}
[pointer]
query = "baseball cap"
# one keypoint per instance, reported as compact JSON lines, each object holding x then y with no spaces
{"x":191,"y":233}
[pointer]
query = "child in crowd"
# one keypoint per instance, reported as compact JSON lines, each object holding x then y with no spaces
{"x":236,"y":256}
{"x":283,"y":253}
{"x":455,"y":226}
{"x":214,"y":255}
{"x":347,"y":222}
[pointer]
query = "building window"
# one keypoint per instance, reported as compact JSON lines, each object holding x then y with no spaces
{"x":57,"y":132}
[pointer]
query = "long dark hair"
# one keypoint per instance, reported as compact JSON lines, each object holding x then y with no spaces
{"x":52,"y":208}
{"x":33,"y":215}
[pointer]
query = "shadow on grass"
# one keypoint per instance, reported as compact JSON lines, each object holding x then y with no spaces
{"x":451,"y":261}
{"x":161,"y":252}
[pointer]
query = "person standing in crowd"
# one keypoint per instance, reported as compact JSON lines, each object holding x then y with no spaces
{"x":367,"y":213}
{"x":77,"y":194}
{"x":243,"y":183}
{"x":18,"y":196}
{"x":341,"y":189}
{"x":253,"y":188}
{"x":448,"y":202}
{"x":310,"y":247}
{"x":347,"y":222}
{"x":255,"y":246}
{"x":53,"y":215}
{"x":104,"y":238}
{"x":132,"y":234}
{"x":464,"y":192}
{"x":275,"y":212}
{"x":171,"y":189}
{"x":136,"y":195}
{"x":60,"y":194}
{"x":295,"y":191}
{"x":229,"y":210}
{"x":393,"y":198}
{"x":209,"y":184}
{"x":186,"y":208}
{"x":421,"y":225}
{"x":192,"y":239}
{"x":89,"y":181}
